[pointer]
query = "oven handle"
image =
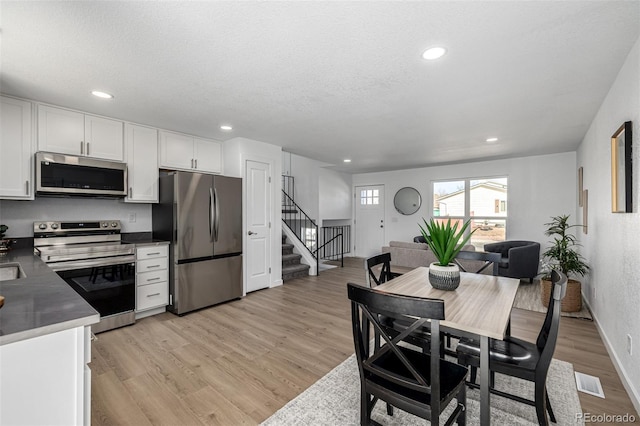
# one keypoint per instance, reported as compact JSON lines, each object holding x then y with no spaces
{"x":105,"y":261}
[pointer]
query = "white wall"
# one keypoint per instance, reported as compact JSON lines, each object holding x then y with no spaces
{"x":236,"y":152}
{"x":539,"y":187}
{"x":335,"y":196}
{"x":20,"y":215}
{"x":322,"y":193}
{"x":611,"y":245}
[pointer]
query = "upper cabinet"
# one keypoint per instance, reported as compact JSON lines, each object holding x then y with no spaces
{"x":184,"y":152}
{"x":69,"y":132}
{"x":141,"y":145}
{"x":16,"y":149}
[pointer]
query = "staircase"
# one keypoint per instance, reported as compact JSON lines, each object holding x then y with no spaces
{"x":291,"y":266}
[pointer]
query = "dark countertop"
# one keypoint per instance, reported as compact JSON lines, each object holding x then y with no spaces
{"x":39,"y":304}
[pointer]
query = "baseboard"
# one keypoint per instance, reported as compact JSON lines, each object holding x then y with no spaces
{"x":631,"y":391}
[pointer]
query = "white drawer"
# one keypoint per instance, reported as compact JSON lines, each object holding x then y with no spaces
{"x":152,"y":252}
{"x":152,"y":296}
{"x":152,"y":277}
{"x":149,"y":265}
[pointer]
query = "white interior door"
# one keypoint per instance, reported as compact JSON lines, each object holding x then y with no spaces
{"x":369,"y":220}
{"x":258,"y":225}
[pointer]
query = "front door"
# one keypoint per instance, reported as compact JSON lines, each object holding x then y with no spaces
{"x":258,"y":225}
{"x":369,"y":220}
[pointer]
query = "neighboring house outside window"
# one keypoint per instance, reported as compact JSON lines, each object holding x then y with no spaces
{"x":481,"y":200}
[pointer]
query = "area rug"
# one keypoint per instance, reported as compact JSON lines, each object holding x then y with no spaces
{"x":335,"y":400}
{"x":528,"y":297}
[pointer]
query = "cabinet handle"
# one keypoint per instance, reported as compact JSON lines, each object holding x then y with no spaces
{"x":87,"y":148}
{"x":81,"y":147}
{"x":153,"y":266}
{"x":153,"y":279}
{"x":196,"y":161}
{"x":154,"y":294}
{"x":27,"y":182}
{"x":153,"y":254}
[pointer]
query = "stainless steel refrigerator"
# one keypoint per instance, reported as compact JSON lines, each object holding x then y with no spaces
{"x":202,"y":217}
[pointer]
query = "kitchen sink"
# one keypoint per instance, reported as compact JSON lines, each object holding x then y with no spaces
{"x":11,"y":271}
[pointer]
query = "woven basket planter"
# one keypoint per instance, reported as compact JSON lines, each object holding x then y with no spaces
{"x":444,"y":277}
{"x":572,"y":301}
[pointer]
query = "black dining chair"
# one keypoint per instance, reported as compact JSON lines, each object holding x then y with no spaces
{"x":374,"y":278}
{"x":519,"y":358}
{"x":384,"y":262}
{"x":487,"y":259}
{"x":422,"y":384}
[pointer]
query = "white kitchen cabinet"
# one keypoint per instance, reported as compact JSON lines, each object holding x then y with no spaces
{"x":70,"y":132}
{"x":208,"y":155}
{"x":152,"y":279}
{"x":16,"y":149}
{"x":142,"y":163}
{"x":184,"y":152}
{"x":46,"y":380}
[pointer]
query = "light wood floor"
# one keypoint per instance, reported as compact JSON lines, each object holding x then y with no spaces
{"x":239,"y":362}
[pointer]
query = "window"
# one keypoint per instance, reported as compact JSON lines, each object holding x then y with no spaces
{"x":481,"y":200}
{"x":369,"y":196}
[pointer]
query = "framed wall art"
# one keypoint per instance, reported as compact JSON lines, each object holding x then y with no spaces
{"x":621,"y":170}
{"x":580,"y":187}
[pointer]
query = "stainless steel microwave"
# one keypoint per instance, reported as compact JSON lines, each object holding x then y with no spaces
{"x":60,"y":174}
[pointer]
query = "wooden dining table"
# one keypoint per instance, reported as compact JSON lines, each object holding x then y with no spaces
{"x":479,"y":308}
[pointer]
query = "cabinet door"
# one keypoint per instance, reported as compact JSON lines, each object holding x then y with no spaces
{"x":208,"y":155}
{"x":16,"y":149}
{"x":176,"y":151}
{"x":60,"y":130}
{"x":103,"y":138}
{"x":142,"y":163}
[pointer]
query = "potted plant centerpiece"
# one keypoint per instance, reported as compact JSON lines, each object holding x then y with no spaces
{"x":445,"y":241}
{"x":562,"y":255}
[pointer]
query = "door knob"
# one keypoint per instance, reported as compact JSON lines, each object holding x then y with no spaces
{"x":252,"y":233}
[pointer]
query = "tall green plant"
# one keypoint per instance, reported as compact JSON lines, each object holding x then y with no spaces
{"x":444,"y":240}
{"x":562,"y":253}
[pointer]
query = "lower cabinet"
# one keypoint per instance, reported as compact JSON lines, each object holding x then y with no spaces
{"x":46,"y":379}
{"x":152,"y":279}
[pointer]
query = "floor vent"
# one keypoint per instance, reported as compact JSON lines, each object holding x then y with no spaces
{"x":589,"y":384}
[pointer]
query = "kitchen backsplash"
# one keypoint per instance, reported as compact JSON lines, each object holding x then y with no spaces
{"x":20,"y":215}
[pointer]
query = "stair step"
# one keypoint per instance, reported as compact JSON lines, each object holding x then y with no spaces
{"x":287,"y":249}
{"x":291,"y":259}
{"x":295,"y":271}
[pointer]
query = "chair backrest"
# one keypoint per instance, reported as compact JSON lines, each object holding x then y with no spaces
{"x":548,"y":336}
{"x":368,"y":307}
{"x":419,"y":239}
{"x":385,"y":275}
{"x":489,"y":259}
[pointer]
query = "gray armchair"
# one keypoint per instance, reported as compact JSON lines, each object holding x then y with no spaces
{"x":519,"y":258}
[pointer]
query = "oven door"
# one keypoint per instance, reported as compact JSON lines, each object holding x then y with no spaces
{"x":108,"y":284}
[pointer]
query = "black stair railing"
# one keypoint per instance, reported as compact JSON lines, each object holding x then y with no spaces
{"x":332,"y":244}
{"x":302,"y":226}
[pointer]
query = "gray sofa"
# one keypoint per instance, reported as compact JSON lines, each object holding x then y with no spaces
{"x":412,"y":255}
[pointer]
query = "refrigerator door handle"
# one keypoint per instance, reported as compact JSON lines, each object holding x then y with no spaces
{"x":211,"y":208}
{"x":216,"y":222}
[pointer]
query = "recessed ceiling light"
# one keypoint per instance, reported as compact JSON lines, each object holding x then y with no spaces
{"x":226,"y":127}
{"x":434,"y":53}
{"x":346,"y":160}
{"x":102,"y":95}
{"x":492,"y":140}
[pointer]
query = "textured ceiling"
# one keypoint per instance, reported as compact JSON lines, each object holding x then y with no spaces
{"x":331,"y":80}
